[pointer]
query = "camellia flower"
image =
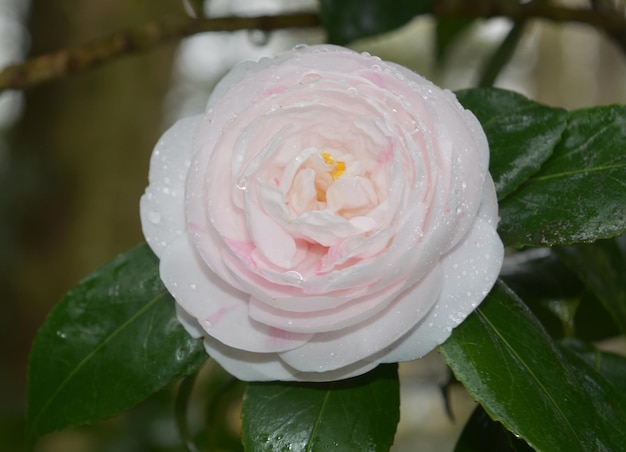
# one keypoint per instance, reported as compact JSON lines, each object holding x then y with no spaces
{"x":330,"y":211}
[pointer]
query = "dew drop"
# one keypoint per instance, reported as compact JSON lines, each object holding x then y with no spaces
{"x":366,"y":54}
{"x":299,"y":46}
{"x":61,"y":334}
{"x":192,"y":286}
{"x":310,"y":78}
{"x":376,"y":67}
{"x":295,"y":276}
{"x":154,"y":217}
{"x":352,"y":91}
{"x":242,"y":183}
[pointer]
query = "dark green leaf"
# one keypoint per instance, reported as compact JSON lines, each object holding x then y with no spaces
{"x":447,"y":31}
{"x":610,"y":365}
{"x":521,"y":377}
{"x":111,"y":342}
{"x":602,"y":266}
{"x":522,"y":134}
{"x":544,"y":281}
{"x":356,"y":414}
{"x":579,"y":195}
{"x":482,"y":434}
{"x":347,"y":20}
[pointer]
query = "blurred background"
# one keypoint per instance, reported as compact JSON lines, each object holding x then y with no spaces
{"x":74,"y":157}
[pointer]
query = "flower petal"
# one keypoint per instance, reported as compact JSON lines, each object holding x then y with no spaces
{"x":471,"y":270}
{"x":333,"y":350}
{"x":161,"y":206}
{"x":249,"y":366}
{"x":221,"y":310}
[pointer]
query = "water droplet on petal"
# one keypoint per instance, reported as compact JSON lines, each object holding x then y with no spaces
{"x":299,"y":46}
{"x":376,"y":67}
{"x":242,"y":183}
{"x":154,"y":217}
{"x":295,"y":276}
{"x":352,"y":91}
{"x":192,"y":286}
{"x":310,"y":78}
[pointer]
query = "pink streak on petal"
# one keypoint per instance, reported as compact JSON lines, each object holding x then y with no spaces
{"x":218,"y":315}
{"x":243,"y":250}
{"x":277,"y":337}
{"x":373,"y":77}
{"x":386,"y":154}
{"x":197,"y":228}
{"x":277,"y":89}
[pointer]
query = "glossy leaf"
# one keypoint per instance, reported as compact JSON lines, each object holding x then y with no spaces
{"x":602,"y":265}
{"x":522,"y":378}
{"x":347,"y":20}
{"x":111,"y":342}
{"x":482,"y":434}
{"x":522,"y":134}
{"x":356,"y":414}
{"x":579,"y":193}
{"x":543,"y":279}
{"x":610,"y":365}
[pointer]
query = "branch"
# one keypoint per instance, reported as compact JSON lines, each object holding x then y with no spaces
{"x":47,"y":67}
{"x":53,"y":65}
{"x":609,"y":21}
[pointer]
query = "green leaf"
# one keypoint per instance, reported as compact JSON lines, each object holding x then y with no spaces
{"x":356,"y":414}
{"x":347,"y":20}
{"x":522,"y":134}
{"x":521,"y":377}
{"x":544,"y":281}
{"x":579,"y":194}
{"x":602,"y":266}
{"x":482,"y":434}
{"x":611,"y":365}
{"x":111,"y":342}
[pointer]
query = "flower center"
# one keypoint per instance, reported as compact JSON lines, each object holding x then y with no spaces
{"x":335,"y":169}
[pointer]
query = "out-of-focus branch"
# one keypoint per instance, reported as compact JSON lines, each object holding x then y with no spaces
{"x":609,"y":21}
{"x":57,"y":64}
{"x":49,"y":66}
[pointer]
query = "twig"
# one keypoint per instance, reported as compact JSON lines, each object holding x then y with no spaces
{"x":487,"y":9}
{"x":46,"y":67}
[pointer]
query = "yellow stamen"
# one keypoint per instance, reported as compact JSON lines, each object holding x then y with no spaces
{"x":340,"y":167}
{"x":337,"y":168}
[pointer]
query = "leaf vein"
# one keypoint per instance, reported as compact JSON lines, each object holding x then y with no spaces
{"x":95,"y":350}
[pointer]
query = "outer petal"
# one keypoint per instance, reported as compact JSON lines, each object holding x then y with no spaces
{"x":333,"y":350}
{"x":221,"y":310}
{"x":471,"y":270}
{"x":162,"y":205}
{"x":249,"y":366}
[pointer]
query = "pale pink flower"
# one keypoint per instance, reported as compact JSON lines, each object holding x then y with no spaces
{"x":330,"y":211}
